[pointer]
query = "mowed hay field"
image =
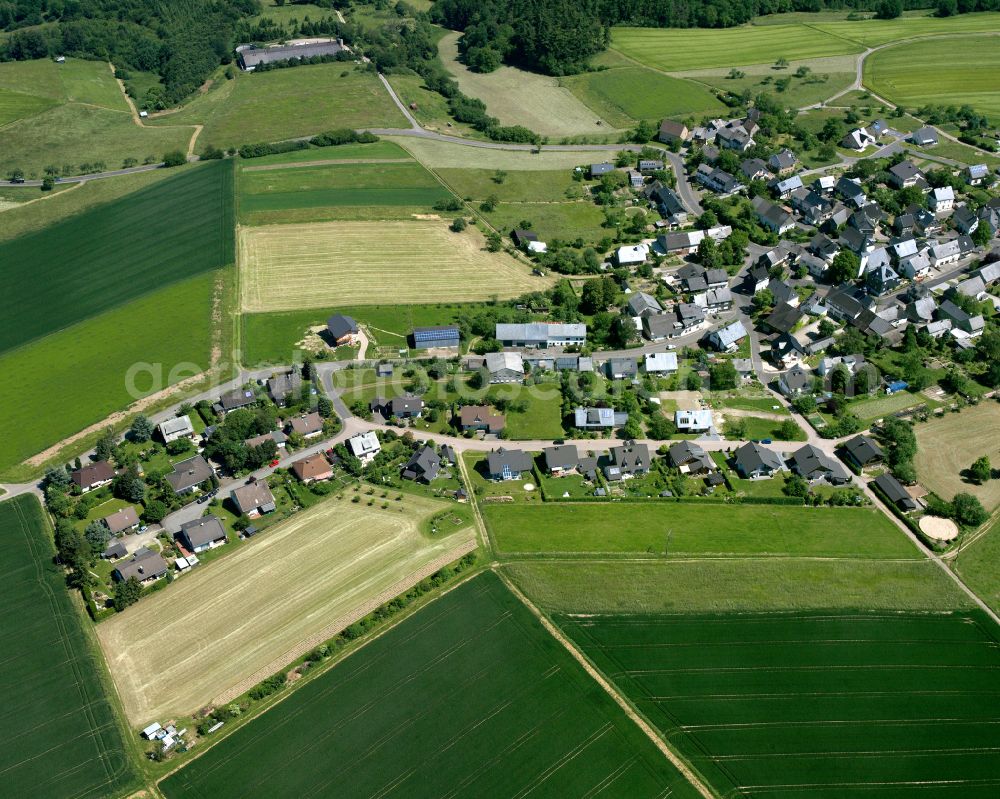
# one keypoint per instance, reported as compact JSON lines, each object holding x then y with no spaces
{"x":114,"y":253}
{"x":950,"y":71}
{"x":516,"y":97}
{"x":844,"y":705}
{"x":70,"y":114}
{"x":58,"y":733}
{"x":179,"y":649}
{"x":285,"y":267}
{"x":946,"y":446}
{"x":695,"y":530}
{"x":469,"y":697}
{"x":286,"y":103}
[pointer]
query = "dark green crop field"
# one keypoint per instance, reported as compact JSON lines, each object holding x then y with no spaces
{"x":58,"y":735}
{"x":470,"y":697}
{"x":105,"y":257}
{"x":804,"y":705}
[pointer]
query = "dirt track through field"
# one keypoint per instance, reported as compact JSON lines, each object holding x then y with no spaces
{"x":229,"y":621}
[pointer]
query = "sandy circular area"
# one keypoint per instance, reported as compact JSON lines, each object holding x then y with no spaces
{"x":939,"y":529}
{"x":529,"y":486}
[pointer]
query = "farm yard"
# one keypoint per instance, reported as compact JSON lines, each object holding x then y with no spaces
{"x":142,"y":242}
{"x":552,"y":111}
{"x":723,"y":585}
{"x":947,"y":446}
{"x":941,"y":71}
{"x":71,"y":114}
{"x":59,"y":735}
{"x":695,"y":530}
{"x":751,"y":702}
{"x":413,"y":261}
{"x":175,"y":651}
{"x":521,"y":717}
{"x":285,"y":104}
{"x":93,"y":357}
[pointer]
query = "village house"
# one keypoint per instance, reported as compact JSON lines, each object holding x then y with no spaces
{"x":727,"y":339}
{"x":671,"y":132}
{"x":968,"y":324}
{"x":121,"y":521}
{"x":942,"y":199}
{"x":965,"y":220}
{"x":202,"y":534}
{"x":647,"y":165}
{"x":813,"y":465}
{"x":505,"y":367}
{"x":541,"y":334}
{"x":480,"y":417}
{"x":284,"y":387}
{"x":689,"y":458}
{"x":621,"y":369}
{"x":308,"y":425}
{"x":364,"y":446}
{"x":236,"y":399}
{"x":277,"y":436}
{"x":436,"y":337}
{"x":343,"y":330}
{"x":693,"y":421}
{"x":718,"y":180}
{"x":663,"y":363}
{"x":561,"y":460}
{"x":116,"y":549}
{"x":976,"y":173}
{"x":253,"y":499}
{"x":795,"y":381}
{"x":507,"y":464}
{"x":783,"y":162}
{"x":755,"y":462}
{"x":924,"y":137}
{"x":894,"y":491}
{"x":312,"y":468}
{"x":601,"y":418}
{"x":632,"y":254}
{"x":858,"y":139}
{"x":93,"y":475}
{"x":643,"y":304}
{"x":423,"y":466}
{"x":850,"y":191}
{"x":783,"y":318}
{"x":189,"y":474}
{"x":785,"y":187}
{"x":628,"y":460}
{"x":667,"y":202}
{"x":754,"y":169}
{"x":773,"y":217}
{"x":862,"y":450}
{"x":145,"y":565}
{"x":522,"y":238}
{"x":905,"y":174}
{"x":173,"y":429}
{"x":407,"y":407}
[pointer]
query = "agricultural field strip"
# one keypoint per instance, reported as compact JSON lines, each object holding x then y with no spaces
{"x":327,"y":162}
{"x":75,"y":748}
{"x":878,"y":669}
{"x":260,"y":602}
{"x":411,"y":262}
{"x":478,"y":656}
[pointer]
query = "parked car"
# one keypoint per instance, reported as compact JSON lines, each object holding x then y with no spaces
{"x":274,"y":463}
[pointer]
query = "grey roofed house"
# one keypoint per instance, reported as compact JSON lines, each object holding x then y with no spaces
{"x":782,"y":292}
{"x":815,"y":265}
{"x":690,"y":458}
{"x":116,"y":549}
{"x":812,"y":464}
{"x":521,"y":238}
{"x":237,"y":398}
{"x":561,"y":458}
{"x":629,"y":459}
{"x":93,"y":474}
{"x":754,"y":169}
{"x":850,"y":190}
{"x":189,"y":473}
{"x":905,"y":173}
{"x":754,"y":461}
{"x":718,"y":298}
{"x":505,"y":367}
{"x":903,"y":224}
{"x":598,"y":417}
{"x":145,"y":565}
{"x":507,"y":464}
{"x":970,"y":287}
{"x":405,"y":407}
{"x":895,"y":492}
{"x":541,"y":334}
{"x":921,"y":309}
{"x":863,"y":450}
{"x":786,"y":186}
{"x":843,"y":303}
{"x":795,"y":381}
{"x":250,"y":56}
{"x":277,"y":436}
{"x":783,"y":160}
{"x":423,"y":465}
{"x":773,"y":217}
{"x":308,"y":424}
{"x":175,"y":428}
{"x":904,"y":247}
{"x":924,"y":136}
{"x":255,"y":497}
{"x":341,"y":327}
{"x":972,"y":325}
{"x":669,"y":202}
{"x":728,"y":336}
{"x":280,"y":387}
{"x":783,"y":318}
{"x":596,"y":170}
{"x":198,"y":535}
{"x":641,"y":304}
{"x":660,"y":326}
{"x":650,"y":165}
{"x":965,"y":219}
{"x":622,"y":368}
{"x":882,"y":279}
{"x":989,"y":273}
{"x":718,"y":180}
{"x":121,"y":520}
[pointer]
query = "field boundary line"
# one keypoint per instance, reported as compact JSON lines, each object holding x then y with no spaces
{"x":343,"y":622}
{"x":596,"y":675}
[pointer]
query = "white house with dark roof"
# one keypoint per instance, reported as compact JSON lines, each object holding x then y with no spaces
{"x":199,"y":535}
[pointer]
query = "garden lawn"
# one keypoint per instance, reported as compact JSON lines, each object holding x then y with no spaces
{"x":60,"y":736}
{"x":543,"y":417}
{"x":728,"y":585}
{"x":696,"y":530}
{"x":758,"y":427}
{"x":287,"y":103}
{"x":94,"y":358}
{"x":468,"y":697}
{"x":102,"y":259}
{"x":623,"y":96}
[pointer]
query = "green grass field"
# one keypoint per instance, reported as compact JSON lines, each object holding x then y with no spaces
{"x":93,"y":357}
{"x":101,"y":259}
{"x":59,"y":734}
{"x":287,"y":103}
{"x":977,"y":565}
{"x":873,"y":32}
{"x":300,"y":193}
{"x":69,"y":114}
{"x":517,"y":186}
{"x":340,"y":152}
{"x":623,"y":96}
{"x":696,"y":530}
{"x":709,"y":585}
{"x":814,"y":704}
{"x":468,"y":697}
{"x":821,"y":83}
{"x":566,"y":220}
{"x":951,"y":71}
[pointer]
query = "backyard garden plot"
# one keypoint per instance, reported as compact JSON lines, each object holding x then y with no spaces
{"x":687,"y":529}
{"x":949,"y":71}
{"x":516,"y":97}
{"x":810,"y":704}
{"x":469,"y":697}
{"x":317,"y":191}
{"x":947,"y":446}
{"x":343,"y":263}
{"x":116,"y":252}
{"x":58,"y":732}
{"x":180,"y":648}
